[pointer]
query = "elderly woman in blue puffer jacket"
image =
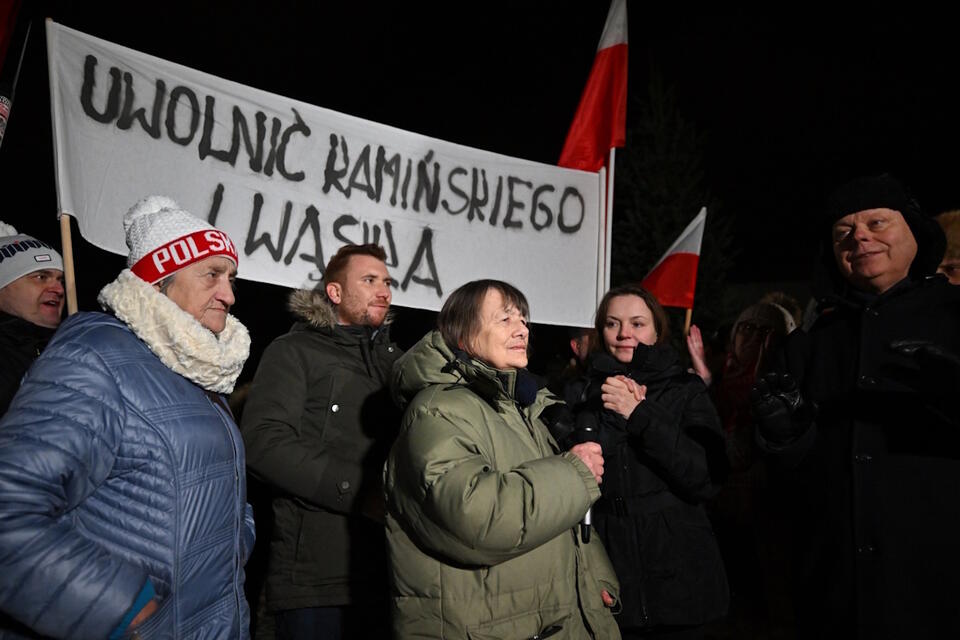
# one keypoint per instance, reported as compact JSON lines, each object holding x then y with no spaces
{"x":122,"y":497}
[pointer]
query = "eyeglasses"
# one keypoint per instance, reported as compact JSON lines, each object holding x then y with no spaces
{"x":749,"y":329}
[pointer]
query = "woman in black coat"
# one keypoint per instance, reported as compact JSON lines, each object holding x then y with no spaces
{"x":664,"y":458}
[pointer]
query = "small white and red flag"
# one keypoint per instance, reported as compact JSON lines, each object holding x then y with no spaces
{"x":673,"y":279}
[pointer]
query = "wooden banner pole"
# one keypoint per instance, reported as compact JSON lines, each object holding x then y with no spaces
{"x":69,"y":277}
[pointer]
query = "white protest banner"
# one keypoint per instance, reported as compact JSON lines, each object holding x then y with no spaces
{"x":291,"y":183}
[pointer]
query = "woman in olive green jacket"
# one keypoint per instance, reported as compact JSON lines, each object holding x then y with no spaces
{"x":482,"y":507}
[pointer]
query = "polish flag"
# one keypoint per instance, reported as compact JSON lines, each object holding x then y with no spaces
{"x":601,"y":119}
{"x":8,"y":20}
{"x":673,"y":279}
{"x":13,"y":40}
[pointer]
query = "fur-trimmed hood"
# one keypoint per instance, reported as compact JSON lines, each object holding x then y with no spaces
{"x":177,"y":338}
{"x":314,"y":307}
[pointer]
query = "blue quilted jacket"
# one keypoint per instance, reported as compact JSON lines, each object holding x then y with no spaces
{"x":114,"y":469}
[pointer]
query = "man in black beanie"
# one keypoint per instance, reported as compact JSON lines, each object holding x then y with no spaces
{"x":863,"y":415}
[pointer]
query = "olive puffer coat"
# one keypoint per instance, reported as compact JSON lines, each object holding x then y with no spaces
{"x":482,"y":510}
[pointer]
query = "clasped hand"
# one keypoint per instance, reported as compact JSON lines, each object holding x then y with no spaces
{"x":621,"y":394}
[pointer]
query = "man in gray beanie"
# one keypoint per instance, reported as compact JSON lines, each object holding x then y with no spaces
{"x":123,"y":506}
{"x":31,"y":304}
{"x":863,"y":415}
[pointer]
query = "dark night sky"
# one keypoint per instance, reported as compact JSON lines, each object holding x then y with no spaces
{"x":787,"y":105}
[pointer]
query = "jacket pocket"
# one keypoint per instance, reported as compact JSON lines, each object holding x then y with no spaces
{"x":322,"y":549}
{"x":159,"y":625}
{"x":318,"y":411}
{"x":524,"y":626}
{"x":598,"y":567}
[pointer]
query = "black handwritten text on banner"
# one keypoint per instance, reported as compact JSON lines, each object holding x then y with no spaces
{"x":292,"y":182}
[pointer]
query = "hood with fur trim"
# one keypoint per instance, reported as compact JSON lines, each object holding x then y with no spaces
{"x":314,"y":307}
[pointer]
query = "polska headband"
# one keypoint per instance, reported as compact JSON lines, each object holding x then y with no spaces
{"x":173,"y":256}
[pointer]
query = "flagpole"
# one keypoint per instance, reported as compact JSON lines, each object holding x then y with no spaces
{"x":600,"y":121}
{"x":8,"y":85}
{"x":601,"y":239}
{"x":69,"y":277}
{"x":686,"y":322}
{"x":609,"y":237}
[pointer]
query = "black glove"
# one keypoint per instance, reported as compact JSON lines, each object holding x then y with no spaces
{"x":931,"y":355}
{"x":780,"y":411}
{"x":939,"y":372}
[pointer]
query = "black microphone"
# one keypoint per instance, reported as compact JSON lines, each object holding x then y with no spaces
{"x":586,"y":432}
{"x":560,"y":423}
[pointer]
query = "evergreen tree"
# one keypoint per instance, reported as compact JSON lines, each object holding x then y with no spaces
{"x":659,"y":189}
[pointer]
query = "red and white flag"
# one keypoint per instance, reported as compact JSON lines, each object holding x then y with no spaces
{"x":673,"y":279}
{"x":601,"y":119}
{"x":13,"y":40}
{"x":8,"y":21}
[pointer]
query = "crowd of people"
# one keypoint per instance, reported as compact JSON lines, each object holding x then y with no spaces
{"x":796,"y":475}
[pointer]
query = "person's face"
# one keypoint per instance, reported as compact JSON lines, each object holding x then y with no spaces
{"x":629,"y":322}
{"x":581,"y":346}
{"x":502,"y":339}
{"x":36,"y":297}
{"x":873,"y":248}
{"x":363,"y":298}
{"x":205,"y":291}
{"x":950,"y":267}
{"x":748,"y":339}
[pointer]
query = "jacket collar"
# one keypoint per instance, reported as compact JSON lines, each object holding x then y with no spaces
{"x":313,"y":307}
{"x":177,"y":338}
{"x":432,"y":361}
{"x":856,"y":299}
{"x":12,"y":325}
{"x":484,"y":380}
{"x":649,"y":362}
{"x":493,"y":385}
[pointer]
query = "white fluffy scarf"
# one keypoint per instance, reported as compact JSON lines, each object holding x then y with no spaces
{"x":176,"y":337}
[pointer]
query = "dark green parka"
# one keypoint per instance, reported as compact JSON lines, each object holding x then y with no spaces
{"x":317,"y":426}
{"x":482,"y":511}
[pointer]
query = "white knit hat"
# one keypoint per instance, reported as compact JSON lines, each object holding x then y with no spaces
{"x":21,"y":254}
{"x":163,"y":239}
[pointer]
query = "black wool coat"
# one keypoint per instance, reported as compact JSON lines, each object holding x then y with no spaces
{"x":661,"y":466}
{"x":874,"y":483}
